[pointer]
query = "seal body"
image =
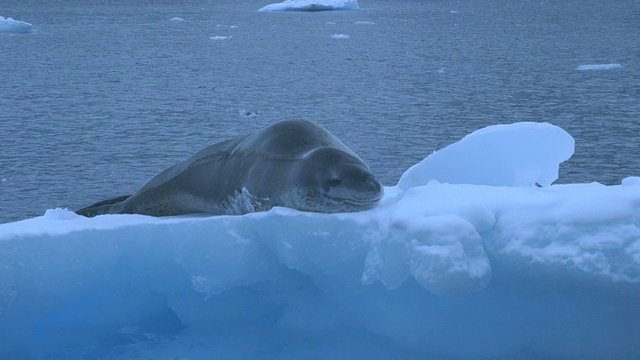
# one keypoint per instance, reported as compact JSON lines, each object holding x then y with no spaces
{"x":294,"y":163}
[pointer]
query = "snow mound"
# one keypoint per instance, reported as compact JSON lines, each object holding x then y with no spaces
{"x":11,"y":26}
{"x":599,"y":67}
{"x":467,"y":268}
{"x":312,"y":5}
{"x":499,"y":155}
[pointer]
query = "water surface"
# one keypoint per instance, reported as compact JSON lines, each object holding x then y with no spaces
{"x":102,"y":97}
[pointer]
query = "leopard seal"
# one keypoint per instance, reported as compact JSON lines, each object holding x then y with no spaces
{"x":293,"y":163}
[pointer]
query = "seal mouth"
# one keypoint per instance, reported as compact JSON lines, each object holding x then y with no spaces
{"x":363,"y":203}
{"x":367,"y":204}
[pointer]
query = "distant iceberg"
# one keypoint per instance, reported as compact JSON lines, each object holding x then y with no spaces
{"x":312,"y":5}
{"x":11,"y":26}
{"x":219,"y":37}
{"x":475,"y":254}
{"x":340,"y":36}
{"x":599,"y":67}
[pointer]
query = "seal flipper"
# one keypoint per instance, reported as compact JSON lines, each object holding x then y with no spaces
{"x":101,"y":207}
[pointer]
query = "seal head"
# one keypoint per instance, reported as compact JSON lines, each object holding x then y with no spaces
{"x":330,"y":180}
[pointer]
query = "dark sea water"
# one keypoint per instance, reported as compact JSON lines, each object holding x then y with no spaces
{"x":103,"y":95}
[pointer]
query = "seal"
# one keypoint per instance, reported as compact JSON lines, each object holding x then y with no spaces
{"x":293,"y":163}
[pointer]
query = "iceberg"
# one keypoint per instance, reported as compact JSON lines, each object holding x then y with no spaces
{"x":11,"y":26}
{"x":494,"y":262}
{"x":219,"y":37}
{"x":311,"y":5}
{"x":340,"y":36}
{"x":599,"y":67}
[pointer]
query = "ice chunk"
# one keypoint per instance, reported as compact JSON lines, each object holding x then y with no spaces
{"x":339,"y":36}
{"x":11,"y":26}
{"x":247,"y":114}
{"x":219,"y":37}
{"x":599,"y":67}
{"x":520,"y":154}
{"x":463,"y":269}
{"x":312,"y":5}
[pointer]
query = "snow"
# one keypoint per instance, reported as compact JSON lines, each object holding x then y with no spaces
{"x":339,"y":36}
{"x":599,"y":67}
{"x":312,"y":5}
{"x":501,"y":155}
{"x":11,"y":26}
{"x":481,"y":263}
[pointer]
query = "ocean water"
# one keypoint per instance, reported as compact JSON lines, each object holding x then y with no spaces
{"x":103,"y":96}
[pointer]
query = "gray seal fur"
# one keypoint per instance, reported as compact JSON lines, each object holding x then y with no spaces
{"x":293,"y":163}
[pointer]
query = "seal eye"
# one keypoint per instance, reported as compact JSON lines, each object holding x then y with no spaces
{"x":334,"y":182}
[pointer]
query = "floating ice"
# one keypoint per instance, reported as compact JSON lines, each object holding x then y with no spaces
{"x":453,"y":264}
{"x":312,"y":5}
{"x":339,"y":36}
{"x":176,"y":19}
{"x":219,"y":37}
{"x":247,"y":114}
{"x":599,"y":67}
{"x":11,"y":26}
